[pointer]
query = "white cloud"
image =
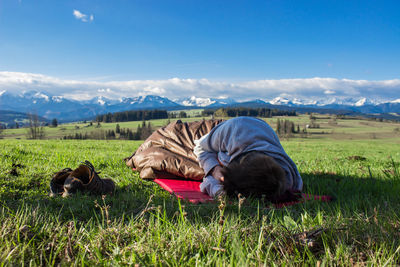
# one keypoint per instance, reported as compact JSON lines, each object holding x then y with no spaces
{"x":329,"y":92}
{"x":154,"y":90}
{"x":82,"y":17}
{"x":103,"y":90}
{"x":311,"y":88}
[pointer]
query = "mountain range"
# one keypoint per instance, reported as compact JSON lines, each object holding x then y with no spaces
{"x":50,"y":106}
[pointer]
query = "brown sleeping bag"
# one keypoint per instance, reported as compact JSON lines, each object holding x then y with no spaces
{"x":168,"y":152}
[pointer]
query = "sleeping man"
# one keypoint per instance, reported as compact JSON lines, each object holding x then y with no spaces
{"x":240,"y":155}
{"x":243,"y":155}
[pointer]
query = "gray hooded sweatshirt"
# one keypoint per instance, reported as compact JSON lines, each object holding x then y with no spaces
{"x":234,"y":137}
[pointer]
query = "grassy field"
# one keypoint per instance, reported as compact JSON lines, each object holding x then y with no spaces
{"x":80,"y":127}
{"x":339,"y":129}
{"x":142,"y":224}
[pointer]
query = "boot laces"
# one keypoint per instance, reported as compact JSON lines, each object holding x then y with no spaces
{"x":90,"y":166}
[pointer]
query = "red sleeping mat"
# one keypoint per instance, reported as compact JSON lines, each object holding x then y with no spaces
{"x":184,"y":189}
{"x":190,"y":190}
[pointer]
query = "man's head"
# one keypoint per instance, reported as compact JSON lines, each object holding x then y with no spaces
{"x":256,"y":174}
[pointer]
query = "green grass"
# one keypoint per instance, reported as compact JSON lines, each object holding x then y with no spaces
{"x":80,"y":127}
{"x":142,"y":224}
{"x":343,"y":129}
{"x":348,"y":129}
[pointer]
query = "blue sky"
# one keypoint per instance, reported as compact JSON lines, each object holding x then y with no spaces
{"x":221,"y":41}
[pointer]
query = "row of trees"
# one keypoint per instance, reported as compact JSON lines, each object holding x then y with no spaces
{"x":132,"y":115}
{"x":181,"y":114}
{"x":253,"y":112}
{"x":31,"y":117}
{"x":286,"y":127}
{"x":36,"y":128}
{"x":141,"y":133}
{"x":97,"y":135}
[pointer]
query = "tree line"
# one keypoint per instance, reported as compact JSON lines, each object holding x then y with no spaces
{"x":141,"y":133}
{"x":133,"y":115}
{"x":285,"y":127}
{"x":253,"y":112}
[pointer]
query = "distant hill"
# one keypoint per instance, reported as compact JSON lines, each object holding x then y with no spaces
{"x":316,"y":109}
{"x":10,"y":118}
{"x":66,"y":110}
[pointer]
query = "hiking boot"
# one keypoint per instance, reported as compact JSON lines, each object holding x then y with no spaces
{"x":57,"y":182}
{"x":85,"y":178}
{"x":72,"y":185}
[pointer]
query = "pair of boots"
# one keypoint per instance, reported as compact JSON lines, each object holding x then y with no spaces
{"x":84,"y":178}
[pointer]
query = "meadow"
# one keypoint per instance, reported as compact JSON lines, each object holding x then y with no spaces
{"x":354,"y":161}
{"x":329,"y":127}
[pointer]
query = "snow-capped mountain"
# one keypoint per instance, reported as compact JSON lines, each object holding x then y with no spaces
{"x":49,"y":106}
{"x":362,"y":104}
{"x":31,"y":100}
{"x":144,"y":102}
{"x":364,"y":101}
{"x":101,"y":100}
{"x":52,"y":106}
{"x":281,"y":101}
{"x":36,"y":96}
{"x":57,"y":99}
{"x":349,"y":101}
{"x":194,"y":101}
{"x":41,"y":103}
{"x":293,"y":102}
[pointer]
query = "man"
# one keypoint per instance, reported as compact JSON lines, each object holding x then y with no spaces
{"x":244,"y":155}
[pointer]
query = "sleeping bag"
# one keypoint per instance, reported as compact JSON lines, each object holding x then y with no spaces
{"x":168,"y":152}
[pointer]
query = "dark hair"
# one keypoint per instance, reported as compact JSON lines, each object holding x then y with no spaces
{"x":256,"y":174}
